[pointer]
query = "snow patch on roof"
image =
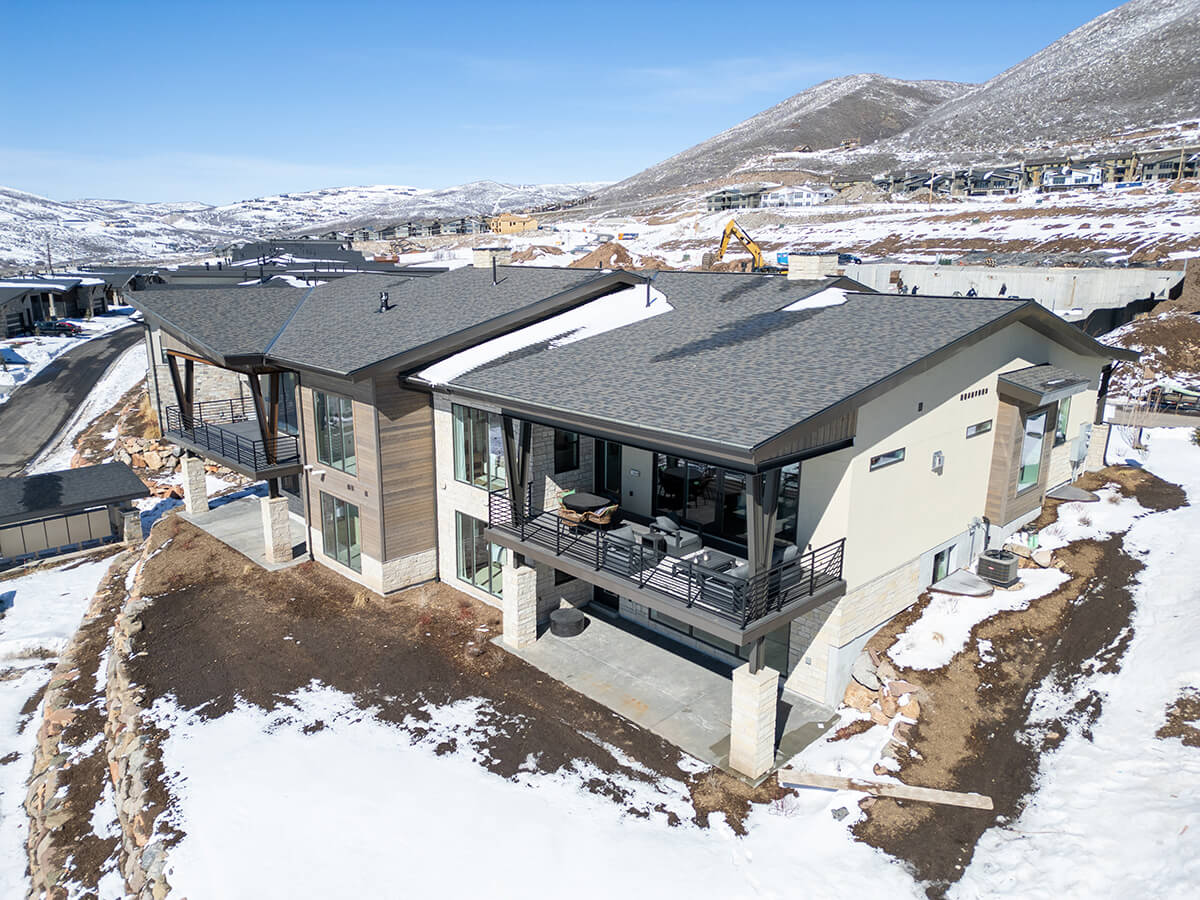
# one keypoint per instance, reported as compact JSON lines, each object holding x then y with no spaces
{"x":624,"y":307}
{"x":828,"y":297}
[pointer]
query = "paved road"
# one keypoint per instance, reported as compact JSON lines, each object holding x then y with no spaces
{"x":39,"y":408}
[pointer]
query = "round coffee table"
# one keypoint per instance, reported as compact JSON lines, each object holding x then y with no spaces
{"x":581,"y":501}
{"x":567,"y":622}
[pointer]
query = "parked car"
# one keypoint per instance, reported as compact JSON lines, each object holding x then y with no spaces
{"x":57,"y":326}
{"x":845,"y":259}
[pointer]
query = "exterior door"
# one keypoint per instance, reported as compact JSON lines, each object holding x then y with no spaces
{"x":941,"y":564}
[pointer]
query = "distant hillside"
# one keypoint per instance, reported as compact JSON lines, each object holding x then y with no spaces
{"x":863,"y":107}
{"x":1130,"y":68}
{"x":118,"y":230}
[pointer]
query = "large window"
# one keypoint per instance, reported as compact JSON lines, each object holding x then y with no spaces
{"x":339,"y":531}
{"x":1031,"y":450}
{"x":1064,"y":413}
{"x":480,"y":562}
{"x":566,"y":451}
{"x":335,"y":432}
{"x":478,"y":447}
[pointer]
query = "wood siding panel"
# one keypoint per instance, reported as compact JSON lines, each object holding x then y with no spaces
{"x":362,"y":488}
{"x":406,"y":457}
{"x":1006,"y":443}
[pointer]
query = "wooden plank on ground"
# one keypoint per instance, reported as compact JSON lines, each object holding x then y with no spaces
{"x":797,"y":778}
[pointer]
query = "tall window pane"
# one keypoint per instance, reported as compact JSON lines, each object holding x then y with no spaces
{"x":480,"y":562}
{"x":789,"y":502}
{"x":340,"y":531}
{"x":1064,"y":413}
{"x":1031,"y":450}
{"x":335,"y":431}
{"x":478,"y":447}
{"x":566,"y":451}
{"x":461,"y":442}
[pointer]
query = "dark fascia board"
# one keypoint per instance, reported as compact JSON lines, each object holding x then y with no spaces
{"x":1028,"y":312}
{"x":431,"y":352}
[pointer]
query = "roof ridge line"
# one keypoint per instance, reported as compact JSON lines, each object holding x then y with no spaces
{"x":288,"y":320}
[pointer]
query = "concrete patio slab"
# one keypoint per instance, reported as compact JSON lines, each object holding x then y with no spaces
{"x":964,"y":583}
{"x":239,"y":524}
{"x":1073,"y":493}
{"x":682,"y":696}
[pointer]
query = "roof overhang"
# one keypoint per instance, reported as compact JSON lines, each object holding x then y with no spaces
{"x":1040,"y":385}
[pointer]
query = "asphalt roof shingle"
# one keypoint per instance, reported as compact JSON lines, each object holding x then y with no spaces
{"x":339,"y":327}
{"x":728,"y":364}
{"x":51,"y":493}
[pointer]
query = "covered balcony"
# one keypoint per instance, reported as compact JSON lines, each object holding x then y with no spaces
{"x":706,"y":587}
{"x":228,"y":431}
{"x":247,"y":434}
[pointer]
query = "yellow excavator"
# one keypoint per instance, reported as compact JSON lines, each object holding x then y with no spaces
{"x":733,"y":229}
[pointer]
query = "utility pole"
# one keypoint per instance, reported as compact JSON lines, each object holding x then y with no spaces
{"x":49,"y":260}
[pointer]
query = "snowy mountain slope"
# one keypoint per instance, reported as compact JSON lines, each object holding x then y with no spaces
{"x":348,"y":207}
{"x":118,"y":230}
{"x":863,"y":107}
{"x":1130,"y":68}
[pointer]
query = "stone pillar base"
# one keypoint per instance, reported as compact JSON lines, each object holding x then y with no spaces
{"x":131,"y":527}
{"x":1097,"y":445}
{"x":277,"y":532}
{"x":752,"y":720}
{"x":520,"y":605}
{"x":195,"y":489}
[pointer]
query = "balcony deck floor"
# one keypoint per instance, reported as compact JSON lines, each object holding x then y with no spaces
{"x":682,"y":696}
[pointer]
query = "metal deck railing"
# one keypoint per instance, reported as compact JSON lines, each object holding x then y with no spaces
{"x":209,"y":428}
{"x":739,"y":601}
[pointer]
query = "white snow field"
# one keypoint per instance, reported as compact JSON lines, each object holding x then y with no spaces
{"x":270,"y":811}
{"x":1119,"y":815}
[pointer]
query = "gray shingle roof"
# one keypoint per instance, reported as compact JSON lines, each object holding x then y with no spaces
{"x":54,"y":493}
{"x":728,"y":365}
{"x":339,"y":327}
{"x":226,"y":321}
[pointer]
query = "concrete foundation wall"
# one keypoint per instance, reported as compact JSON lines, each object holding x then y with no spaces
{"x":1056,"y":288}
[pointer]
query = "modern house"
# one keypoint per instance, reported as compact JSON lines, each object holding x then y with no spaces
{"x":1068,"y":178}
{"x":999,"y":181}
{"x":1168,"y":165}
{"x":799,"y":195}
{"x":757,"y":468}
{"x":743,"y":196}
{"x":31,"y":298}
{"x":512,"y":223}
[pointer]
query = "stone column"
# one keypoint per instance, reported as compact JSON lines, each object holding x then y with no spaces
{"x":1097,"y":445}
{"x":752,"y":720}
{"x":277,"y":531}
{"x":131,"y":526}
{"x":195,"y":490}
{"x":520,"y":605}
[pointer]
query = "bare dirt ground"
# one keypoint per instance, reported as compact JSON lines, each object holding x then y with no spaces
{"x":221,"y":628}
{"x":973,"y":733}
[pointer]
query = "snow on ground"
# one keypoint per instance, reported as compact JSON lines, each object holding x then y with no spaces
{"x":25,"y":357}
{"x":944,"y":627}
{"x":1118,"y":815}
{"x":351,"y":808}
{"x":41,"y":611}
{"x":122,"y":375}
{"x":1091,"y":521}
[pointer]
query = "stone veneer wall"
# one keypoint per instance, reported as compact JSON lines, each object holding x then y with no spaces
{"x":211,"y":382}
{"x":839,"y":623}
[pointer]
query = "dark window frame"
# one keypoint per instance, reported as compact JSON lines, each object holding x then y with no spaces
{"x":341,"y":544}
{"x":890,"y":458}
{"x":566,"y":451}
{"x":466,"y":570}
{"x":984,"y":427}
{"x":330,"y":415}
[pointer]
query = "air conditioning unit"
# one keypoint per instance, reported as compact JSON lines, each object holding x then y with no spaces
{"x":1000,"y":567}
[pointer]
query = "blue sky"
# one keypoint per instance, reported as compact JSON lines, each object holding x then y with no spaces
{"x":223,"y":101}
